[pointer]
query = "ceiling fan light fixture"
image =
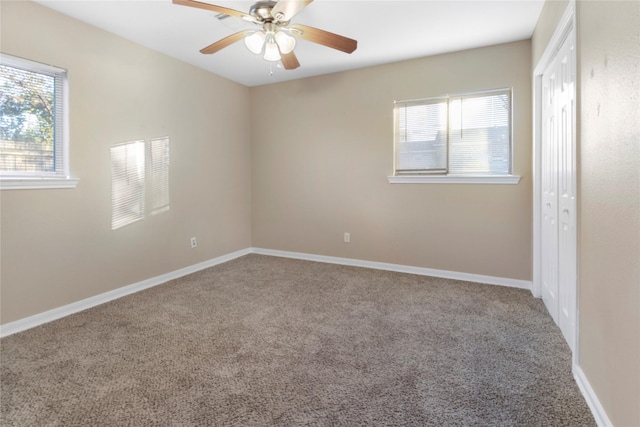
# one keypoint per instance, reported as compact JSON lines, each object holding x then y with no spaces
{"x":286,"y":43}
{"x":277,"y":39}
{"x":255,"y":42}
{"x":271,"y":52}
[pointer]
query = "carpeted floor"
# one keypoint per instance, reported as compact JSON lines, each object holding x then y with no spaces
{"x":263,"y":341}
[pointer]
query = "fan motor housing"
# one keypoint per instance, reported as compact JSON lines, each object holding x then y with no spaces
{"x":262,"y":10}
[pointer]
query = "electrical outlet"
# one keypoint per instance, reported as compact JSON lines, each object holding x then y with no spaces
{"x":194,"y":242}
{"x":347,"y":237}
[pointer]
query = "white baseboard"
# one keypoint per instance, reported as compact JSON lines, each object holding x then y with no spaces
{"x":57,"y":313}
{"x":60,"y":312}
{"x":421,"y":271}
{"x":590,"y":396}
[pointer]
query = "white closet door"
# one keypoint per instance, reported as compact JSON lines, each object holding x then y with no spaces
{"x":566,"y":191}
{"x":558,"y":190}
{"x":549,"y":187}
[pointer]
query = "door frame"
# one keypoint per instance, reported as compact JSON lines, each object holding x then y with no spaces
{"x":566,"y":25}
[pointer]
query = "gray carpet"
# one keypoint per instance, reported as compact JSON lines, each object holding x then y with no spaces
{"x":263,"y":341}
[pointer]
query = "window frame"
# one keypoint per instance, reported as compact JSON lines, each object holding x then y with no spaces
{"x":42,"y":180}
{"x":452,"y":178}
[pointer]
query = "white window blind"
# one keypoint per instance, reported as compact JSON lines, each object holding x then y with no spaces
{"x":468,"y":134}
{"x":159,"y":175}
{"x":32,"y":105}
{"x":421,"y":136}
{"x":127,"y":183}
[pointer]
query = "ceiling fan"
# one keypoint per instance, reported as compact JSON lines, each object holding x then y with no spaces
{"x":276,"y":38}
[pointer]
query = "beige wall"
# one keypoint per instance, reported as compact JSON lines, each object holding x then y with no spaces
{"x":609,"y":229}
{"x":57,"y":245}
{"x":608,"y":46}
{"x":322,"y":151}
{"x":318,"y":157}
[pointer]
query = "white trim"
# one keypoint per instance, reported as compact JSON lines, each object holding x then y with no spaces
{"x":7,"y":183}
{"x":565,"y":27}
{"x":566,"y":24}
{"x":536,"y":288}
{"x":454,"y":179}
{"x":60,"y":312}
{"x":11,"y":180}
{"x":57,"y":313}
{"x":421,"y":271}
{"x":38,"y":67}
{"x":590,"y":396}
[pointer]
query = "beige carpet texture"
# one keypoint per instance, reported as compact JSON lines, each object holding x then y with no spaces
{"x":267,"y":341}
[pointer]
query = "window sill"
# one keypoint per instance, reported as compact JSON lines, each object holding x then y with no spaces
{"x":7,"y":183}
{"x":454,"y":179}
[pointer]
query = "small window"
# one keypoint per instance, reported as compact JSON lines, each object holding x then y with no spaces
{"x":467,"y":135}
{"x":33,"y":134}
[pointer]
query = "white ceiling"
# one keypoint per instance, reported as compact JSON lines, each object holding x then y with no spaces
{"x":386,"y":30}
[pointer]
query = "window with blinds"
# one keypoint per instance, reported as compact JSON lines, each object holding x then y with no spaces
{"x":468,"y":134}
{"x":32,"y":120}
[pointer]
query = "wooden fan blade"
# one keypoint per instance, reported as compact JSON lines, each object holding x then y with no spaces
{"x":289,"y":60}
{"x":324,"y":38}
{"x":288,"y":9}
{"x":222,"y":43}
{"x":214,"y":8}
